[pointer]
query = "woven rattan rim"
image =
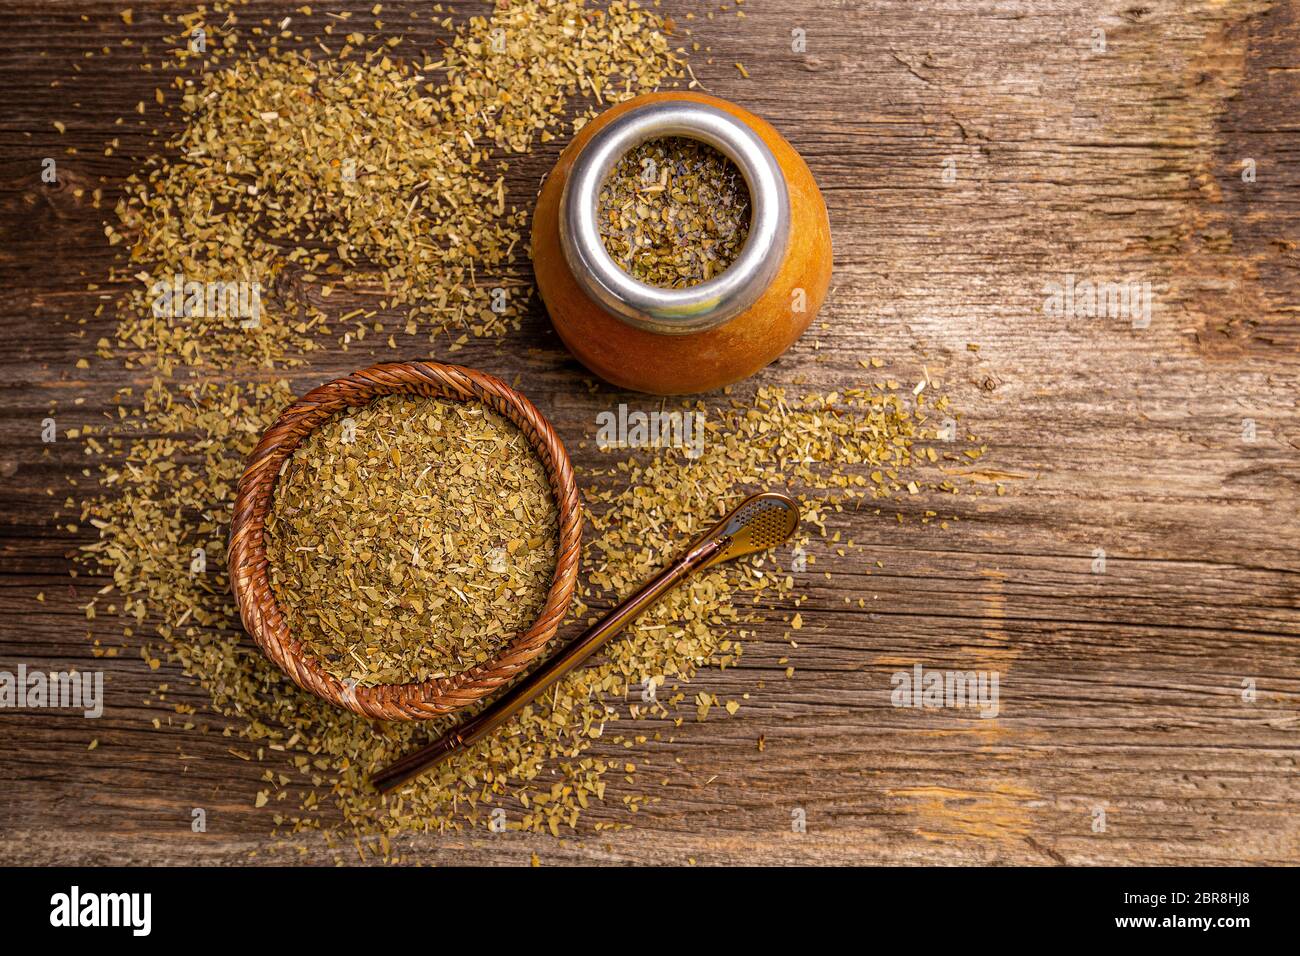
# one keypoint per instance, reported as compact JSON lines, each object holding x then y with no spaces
{"x":263,"y":617}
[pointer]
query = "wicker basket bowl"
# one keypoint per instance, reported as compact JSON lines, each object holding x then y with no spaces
{"x":263,"y":617}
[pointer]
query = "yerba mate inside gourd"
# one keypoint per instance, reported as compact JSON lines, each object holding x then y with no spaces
{"x":674,"y":212}
{"x":411,"y":539}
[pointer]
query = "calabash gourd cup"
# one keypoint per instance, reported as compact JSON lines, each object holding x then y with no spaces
{"x":264,"y":619}
{"x":677,"y":341}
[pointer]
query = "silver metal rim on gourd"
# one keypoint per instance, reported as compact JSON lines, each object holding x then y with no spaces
{"x":708,"y":304}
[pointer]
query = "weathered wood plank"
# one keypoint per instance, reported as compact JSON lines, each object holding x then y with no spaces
{"x":1120,"y":691}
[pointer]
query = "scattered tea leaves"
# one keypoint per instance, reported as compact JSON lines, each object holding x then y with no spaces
{"x":175,"y":443}
{"x":674,"y":212}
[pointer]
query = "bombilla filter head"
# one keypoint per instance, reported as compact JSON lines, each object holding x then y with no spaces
{"x":758,"y":523}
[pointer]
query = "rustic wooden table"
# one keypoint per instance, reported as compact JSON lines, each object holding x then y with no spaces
{"x":970,"y":153}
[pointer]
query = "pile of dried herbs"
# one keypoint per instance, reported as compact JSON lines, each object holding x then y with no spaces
{"x":674,"y":212}
{"x":353,"y":169}
{"x":411,"y":539}
{"x":419,"y":230}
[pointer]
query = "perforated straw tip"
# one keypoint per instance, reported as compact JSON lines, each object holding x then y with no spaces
{"x":758,"y":523}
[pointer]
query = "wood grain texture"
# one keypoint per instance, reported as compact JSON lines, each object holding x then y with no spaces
{"x":1120,"y":691}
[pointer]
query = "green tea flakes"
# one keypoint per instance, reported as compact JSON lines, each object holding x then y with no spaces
{"x":674,"y":212}
{"x":362,"y":183}
{"x":393,"y":213}
{"x":362,"y":119}
{"x":411,"y":539}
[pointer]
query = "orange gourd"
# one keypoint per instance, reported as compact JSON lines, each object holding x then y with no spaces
{"x":671,"y":364}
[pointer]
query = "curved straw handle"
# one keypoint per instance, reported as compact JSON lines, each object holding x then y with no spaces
{"x":578,"y":650}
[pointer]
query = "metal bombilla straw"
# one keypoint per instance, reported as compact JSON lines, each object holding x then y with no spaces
{"x":758,"y":523}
